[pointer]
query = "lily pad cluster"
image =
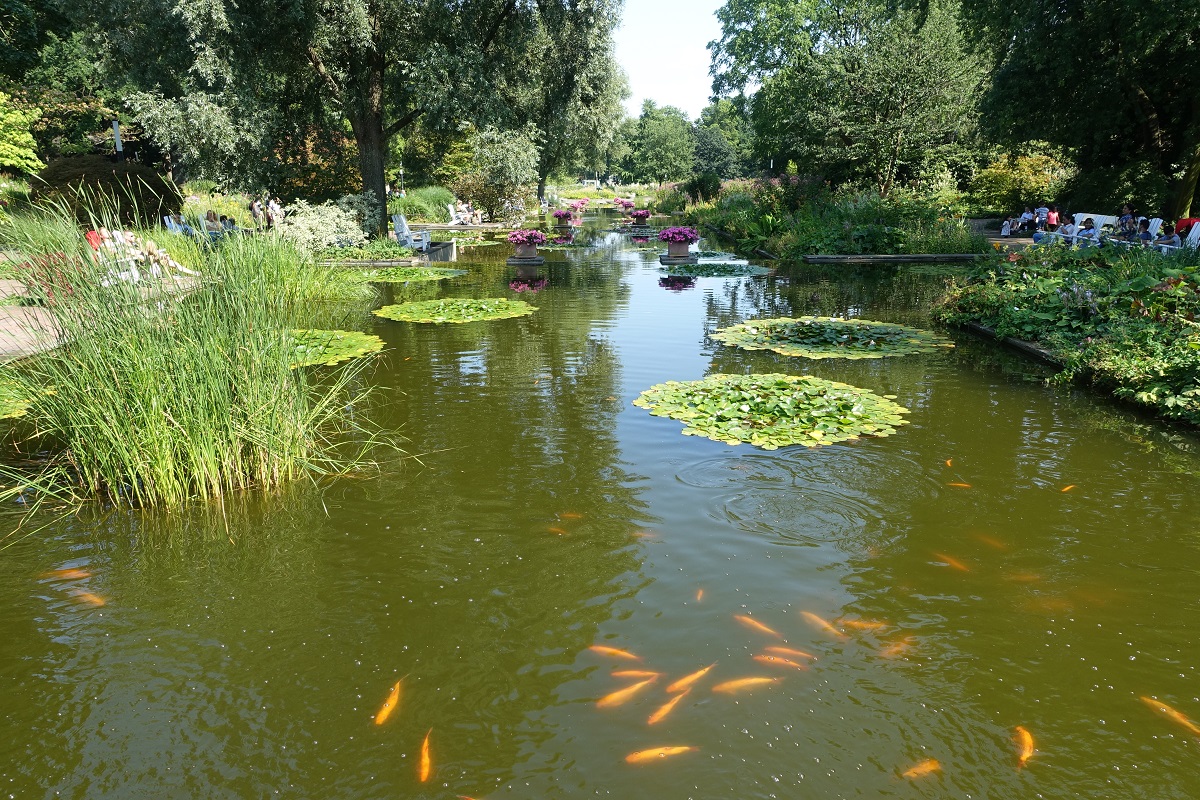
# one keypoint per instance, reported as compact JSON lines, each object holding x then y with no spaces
{"x":456,"y":310}
{"x":13,"y":402}
{"x":827,"y":337}
{"x":314,"y":346}
{"x":773,"y":410}
{"x":407,"y":274}
{"x":718,"y":269}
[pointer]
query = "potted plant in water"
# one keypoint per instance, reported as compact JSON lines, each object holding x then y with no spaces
{"x":640,"y":216}
{"x":525,"y":242}
{"x":678,"y":240}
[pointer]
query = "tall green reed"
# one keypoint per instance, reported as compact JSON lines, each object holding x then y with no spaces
{"x":163,"y":392}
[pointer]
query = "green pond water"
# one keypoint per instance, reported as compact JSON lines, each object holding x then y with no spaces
{"x":243,"y":651}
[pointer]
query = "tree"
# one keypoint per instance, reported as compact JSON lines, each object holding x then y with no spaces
{"x":502,"y":164}
{"x":663,"y":148}
{"x":722,"y":141}
{"x":17,"y":147}
{"x":1112,"y":81}
{"x":859,"y":91}
{"x":223,"y":75}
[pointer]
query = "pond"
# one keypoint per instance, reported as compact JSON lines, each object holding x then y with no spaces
{"x":1016,"y":556}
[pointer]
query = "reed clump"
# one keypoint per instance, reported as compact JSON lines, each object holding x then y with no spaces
{"x":166,"y":391}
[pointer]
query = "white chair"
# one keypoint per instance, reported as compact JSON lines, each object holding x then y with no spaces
{"x":171,"y":225}
{"x":417,"y":240}
{"x":455,"y":217}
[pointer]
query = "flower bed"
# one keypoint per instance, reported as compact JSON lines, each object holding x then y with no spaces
{"x":679,"y":235}
{"x":773,"y":410}
{"x":1123,"y":319}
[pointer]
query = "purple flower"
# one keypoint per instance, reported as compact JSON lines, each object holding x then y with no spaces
{"x":641,"y":214}
{"x":526,"y":236}
{"x":562,"y":213}
{"x":685,"y":235}
{"x":527,"y":284}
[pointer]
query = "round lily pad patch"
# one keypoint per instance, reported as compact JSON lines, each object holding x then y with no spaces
{"x":329,"y":347}
{"x":456,"y":310}
{"x":772,"y":411}
{"x":827,"y":337}
{"x":406,"y":274}
{"x":716,"y":269}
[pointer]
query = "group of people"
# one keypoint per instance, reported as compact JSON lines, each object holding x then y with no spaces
{"x":266,"y":213}
{"x":1130,"y":228}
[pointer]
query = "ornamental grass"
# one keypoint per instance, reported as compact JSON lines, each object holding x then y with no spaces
{"x":158,"y":397}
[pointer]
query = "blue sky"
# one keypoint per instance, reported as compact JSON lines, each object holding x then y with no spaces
{"x":669,"y":68}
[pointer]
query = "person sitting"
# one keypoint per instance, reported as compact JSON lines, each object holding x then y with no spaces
{"x":1006,"y":227}
{"x":184,"y":228}
{"x":1184,"y":225}
{"x":1143,"y":235}
{"x":1087,"y":234}
{"x":1127,"y":225}
{"x":1067,"y":229}
{"x":1168,"y":237}
{"x":212,"y":226}
{"x":1026,"y":221}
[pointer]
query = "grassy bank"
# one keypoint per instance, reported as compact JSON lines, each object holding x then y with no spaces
{"x":791,"y":217}
{"x":156,"y":398}
{"x":1124,"y":320}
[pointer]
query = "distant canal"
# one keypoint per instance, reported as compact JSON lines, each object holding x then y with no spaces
{"x":244,"y":652}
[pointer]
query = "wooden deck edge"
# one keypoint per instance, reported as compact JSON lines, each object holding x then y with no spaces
{"x":1017,"y":344}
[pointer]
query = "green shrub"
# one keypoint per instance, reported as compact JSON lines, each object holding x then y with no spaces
{"x":702,"y":187}
{"x":416,"y":209}
{"x":1013,"y":183}
{"x":436,"y":197}
{"x":669,"y":199}
{"x":95,"y":186}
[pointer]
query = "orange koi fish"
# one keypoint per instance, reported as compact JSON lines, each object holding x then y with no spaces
{"x":687,"y":680}
{"x":991,"y":541}
{"x":620,"y":696}
{"x":570,"y":515}
{"x":779,"y":661}
{"x":89,"y":598}
{"x":635,"y":673}
{"x":1067,"y":488}
{"x":787,"y":651}
{"x":862,"y":624}
{"x":1023,"y":577}
{"x":729,"y":687}
{"x":389,"y":705}
{"x":656,"y":753}
{"x":823,"y":624}
{"x":893,"y":650}
{"x":65,"y":574}
{"x":1025,"y":741}
{"x":699,"y":595}
{"x":1172,"y":714}
{"x":556,"y":531}
{"x":952,"y":562}
{"x":960,"y":485}
{"x":426,"y":768}
{"x":923,"y":769}
{"x":667,"y":706}
{"x":754,"y":624}
{"x":949,"y":462}
{"x":614,"y":652}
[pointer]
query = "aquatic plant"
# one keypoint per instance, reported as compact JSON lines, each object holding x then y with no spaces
{"x":406,"y":274}
{"x":160,"y":396}
{"x":456,"y":310}
{"x":773,"y":410}
{"x":721,"y":269}
{"x":827,"y":337}
{"x":312,"y":347}
{"x":13,"y":401}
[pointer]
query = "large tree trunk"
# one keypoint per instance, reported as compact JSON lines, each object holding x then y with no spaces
{"x":1181,"y":205}
{"x":372,"y":148}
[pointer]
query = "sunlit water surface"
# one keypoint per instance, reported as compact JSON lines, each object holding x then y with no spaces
{"x":244,"y":651}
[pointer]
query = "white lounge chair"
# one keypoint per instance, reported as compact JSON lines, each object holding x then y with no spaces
{"x":455,"y":217}
{"x":417,"y":240}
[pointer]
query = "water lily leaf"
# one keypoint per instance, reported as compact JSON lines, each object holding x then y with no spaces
{"x":329,"y":347}
{"x":826,"y":337}
{"x":406,"y":274}
{"x":773,"y":410}
{"x":716,"y":269}
{"x":13,"y":403}
{"x":456,"y":310}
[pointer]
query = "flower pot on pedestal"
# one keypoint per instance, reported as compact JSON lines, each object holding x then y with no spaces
{"x":677,"y":249}
{"x":526,"y":250}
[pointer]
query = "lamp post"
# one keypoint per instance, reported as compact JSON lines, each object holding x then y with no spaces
{"x":402,"y":182}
